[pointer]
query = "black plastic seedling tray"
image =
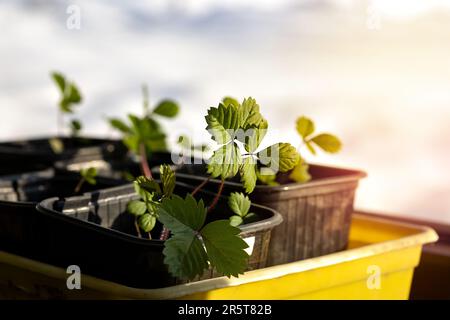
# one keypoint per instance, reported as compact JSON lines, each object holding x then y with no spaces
{"x":20,"y":222}
{"x":95,"y":232}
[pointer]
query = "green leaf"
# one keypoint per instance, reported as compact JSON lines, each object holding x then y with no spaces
{"x":156,"y":145}
{"x":59,"y":80}
{"x":56,"y":145}
{"x":230,"y":100}
{"x":65,"y":106}
{"x":167,"y":108}
{"x":132,"y":143}
{"x":281,"y":156}
{"x":136,"y":207}
{"x":73,"y":94}
{"x":239,"y":203}
{"x":236,"y":221}
{"x":248,"y":174}
{"x":185,"y":256}
{"x":119,"y":125}
{"x":300,"y":172}
{"x":267,"y":176}
{"x":225,"y":161}
{"x":327,"y":142}
{"x":89,"y":175}
{"x":75,"y":126}
{"x":225,"y":248}
{"x":179,"y":214}
{"x":223,"y":122}
{"x":305,"y":127}
{"x":249,"y":114}
{"x":147,"y":222}
{"x":184,"y":252}
{"x":144,"y":184}
{"x":253,"y":136}
{"x":167,"y":176}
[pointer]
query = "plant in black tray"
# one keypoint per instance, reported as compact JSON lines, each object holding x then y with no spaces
{"x":194,"y":245}
{"x":193,"y":242}
{"x":145,"y":134}
{"x":87,"y":175}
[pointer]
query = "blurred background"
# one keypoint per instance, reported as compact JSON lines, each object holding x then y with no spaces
{"x":376,"y":73}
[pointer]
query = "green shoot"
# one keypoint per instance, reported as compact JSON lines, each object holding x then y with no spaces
{"x":143,"y":135}
{"x":325,"y":141}
{"x":144,"y":210}
{"x":240,"y":205}
{"x":231,"y":124}
{"x":87,"y":175}
{"x":194,"y":245}
{"x":69,"y":97}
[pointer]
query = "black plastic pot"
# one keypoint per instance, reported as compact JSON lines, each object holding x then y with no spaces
{"x":21,"y":225}
{"x":96,"y":233}
{"x":113,"y":168}
{"x":316,"y":214}
{"x":21,"y":153}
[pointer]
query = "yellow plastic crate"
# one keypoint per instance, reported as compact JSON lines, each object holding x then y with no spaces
{"x":379,"y":264}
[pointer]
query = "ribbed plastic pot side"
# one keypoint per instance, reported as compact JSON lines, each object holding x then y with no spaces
{"x":97,"y":233}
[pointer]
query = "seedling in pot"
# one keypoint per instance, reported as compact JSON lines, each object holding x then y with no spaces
{"x":151,"y":193}
{"x":143,"y":135}
{"x":88,"y":175}
{"x":194,"y":245}
{"x":325,"y":141}
{"x":70,"y":96}
{"x":240,"y":205}
{"x":234,"y":126}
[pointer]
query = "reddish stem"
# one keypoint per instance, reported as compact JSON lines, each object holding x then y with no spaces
{"x":164,"y":234}
{"x":144,"y":163}
{"x":200,"y":186}
{"x":216,"y":198}
{"x":79,"y":185}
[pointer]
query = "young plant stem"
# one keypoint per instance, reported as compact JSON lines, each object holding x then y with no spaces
{"x":216,"y":198}
{"x":137,"y":227}
{"x":144,"y":163}
{"x":149,"y":235}
{"x":200,"y":186}
{"x":79,"y":185}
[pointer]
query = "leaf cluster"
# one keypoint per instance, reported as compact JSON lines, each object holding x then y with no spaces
{"x":146,"y":130}
{"x":233,"y":123}
{"x":151,"y":193}
{"x":240,"y":205}
{"x":325,"y":141}
{"x":69,"y":93}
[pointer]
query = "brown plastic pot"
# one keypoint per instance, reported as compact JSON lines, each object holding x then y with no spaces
{"x":316,"y":214}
